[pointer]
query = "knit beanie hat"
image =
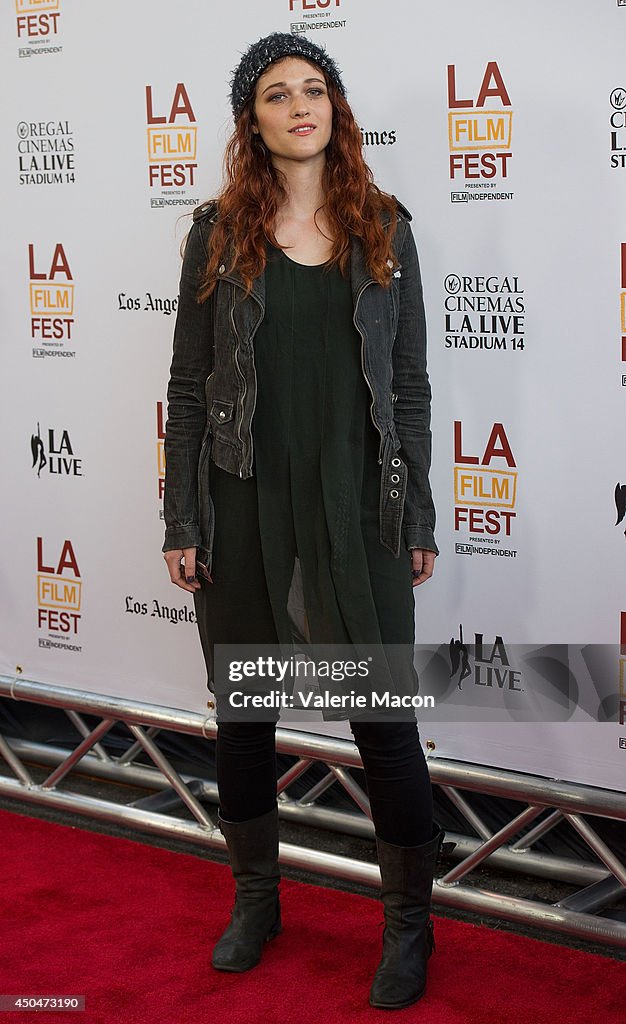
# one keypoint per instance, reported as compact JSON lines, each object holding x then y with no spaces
{"x":268,"y":50}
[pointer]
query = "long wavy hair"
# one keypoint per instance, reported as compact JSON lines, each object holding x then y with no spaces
{"x":253,"y":191}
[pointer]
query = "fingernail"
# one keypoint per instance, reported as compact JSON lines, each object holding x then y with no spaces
{"x":190,"y":579}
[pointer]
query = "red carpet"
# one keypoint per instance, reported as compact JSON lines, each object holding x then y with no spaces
{"x":131,"y":927}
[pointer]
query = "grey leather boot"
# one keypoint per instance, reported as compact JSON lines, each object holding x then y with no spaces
{"x":408,"y":938}
{"x":255,"y":919}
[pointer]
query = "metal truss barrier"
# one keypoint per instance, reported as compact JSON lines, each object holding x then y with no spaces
{"x":548,"y":802}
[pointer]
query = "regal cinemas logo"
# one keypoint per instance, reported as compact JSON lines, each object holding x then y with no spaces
{"x":484,"y":313}
{"x":46,"y":154}
{"x":37,"y":19}
{"x":160,"y":427}
{"x":52,"y":452}
{"x":479,"y":133}
{"x":59,"y":596}
{"x":622,"y":304}
{"x":319,"y":14}
{"x":485,"y":494}
{"x":618,"y":128}
{"x":172,"y":146}
{"x":51,"y":292}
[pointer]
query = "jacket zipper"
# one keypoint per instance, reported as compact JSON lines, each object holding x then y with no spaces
{"x":245,"y":386}
{"x":356,"y":307}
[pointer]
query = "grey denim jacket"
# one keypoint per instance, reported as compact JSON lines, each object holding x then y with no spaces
{"x":212,"y":390}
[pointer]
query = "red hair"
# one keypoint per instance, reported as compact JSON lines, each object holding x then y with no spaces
{"x":253,"y":191}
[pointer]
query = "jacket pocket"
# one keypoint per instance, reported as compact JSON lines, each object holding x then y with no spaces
{"x":221,"y":411}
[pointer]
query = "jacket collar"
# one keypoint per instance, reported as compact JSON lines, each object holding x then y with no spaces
{"x":258,"y":284}
{"x":359,"y":274}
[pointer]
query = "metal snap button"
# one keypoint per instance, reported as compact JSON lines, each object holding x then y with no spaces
{"x":221,"y":414}
{"x":222,"y":269}
{"x":395,"y":462}
{"x":394,"y":494}
{"x":395,"y":479}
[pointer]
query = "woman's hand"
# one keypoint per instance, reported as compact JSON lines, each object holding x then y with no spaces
{"x":181,"y":566}
{"x":423,"y":563}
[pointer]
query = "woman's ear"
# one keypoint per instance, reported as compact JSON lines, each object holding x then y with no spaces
{"x":255,"y":130}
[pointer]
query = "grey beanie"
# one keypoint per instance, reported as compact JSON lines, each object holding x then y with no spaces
{"x":266,"y":51}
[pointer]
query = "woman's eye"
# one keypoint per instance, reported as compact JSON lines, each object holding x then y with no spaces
{"x":314,"y":92}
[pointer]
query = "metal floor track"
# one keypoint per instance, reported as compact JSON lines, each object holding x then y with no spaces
{"x":601,"y":883}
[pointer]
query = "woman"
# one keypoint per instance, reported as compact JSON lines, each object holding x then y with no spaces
{"x":297,"y":452}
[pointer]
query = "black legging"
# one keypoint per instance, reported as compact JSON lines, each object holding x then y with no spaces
{"x":397,"y":777}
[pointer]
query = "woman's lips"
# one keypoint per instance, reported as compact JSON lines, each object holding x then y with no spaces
{"x":302,"y":129}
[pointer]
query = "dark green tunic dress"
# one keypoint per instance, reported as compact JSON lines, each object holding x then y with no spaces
{"x":297,"y":552}
{"x":316,"y":457}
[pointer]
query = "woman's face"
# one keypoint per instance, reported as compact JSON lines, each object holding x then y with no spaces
{"x":292,"y":110}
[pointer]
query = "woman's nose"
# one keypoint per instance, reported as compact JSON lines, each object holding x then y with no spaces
{"x":299,"y":107}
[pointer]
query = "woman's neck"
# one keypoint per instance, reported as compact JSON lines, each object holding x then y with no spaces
{"x":301,"y":227}
{"x":303,"y":187}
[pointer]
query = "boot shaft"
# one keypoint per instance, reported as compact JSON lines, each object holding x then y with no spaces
{"x":253,"y":852}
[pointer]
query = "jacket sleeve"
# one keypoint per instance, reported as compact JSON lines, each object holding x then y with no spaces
{"x":412,"y":404}
{"x":192,"y":363}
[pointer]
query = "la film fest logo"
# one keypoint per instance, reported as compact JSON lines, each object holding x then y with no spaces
{"x":479,"y":136}
{"x":53,"y":453}
{"x":51,"y":295}
{"x":316,"y":14}
{"x":172,"y":147}
{"x":618,"y":128}
{"x":46,"y":153}
{"x":59,"y":596}
{"x":37,"y":24}
{"x":485,"y":494}
{"x":487,"y":663}
{"x":160,"y":434}
{"x":484,"y":312}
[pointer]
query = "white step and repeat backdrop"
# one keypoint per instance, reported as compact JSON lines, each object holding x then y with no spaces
{"x":503,"y":129}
